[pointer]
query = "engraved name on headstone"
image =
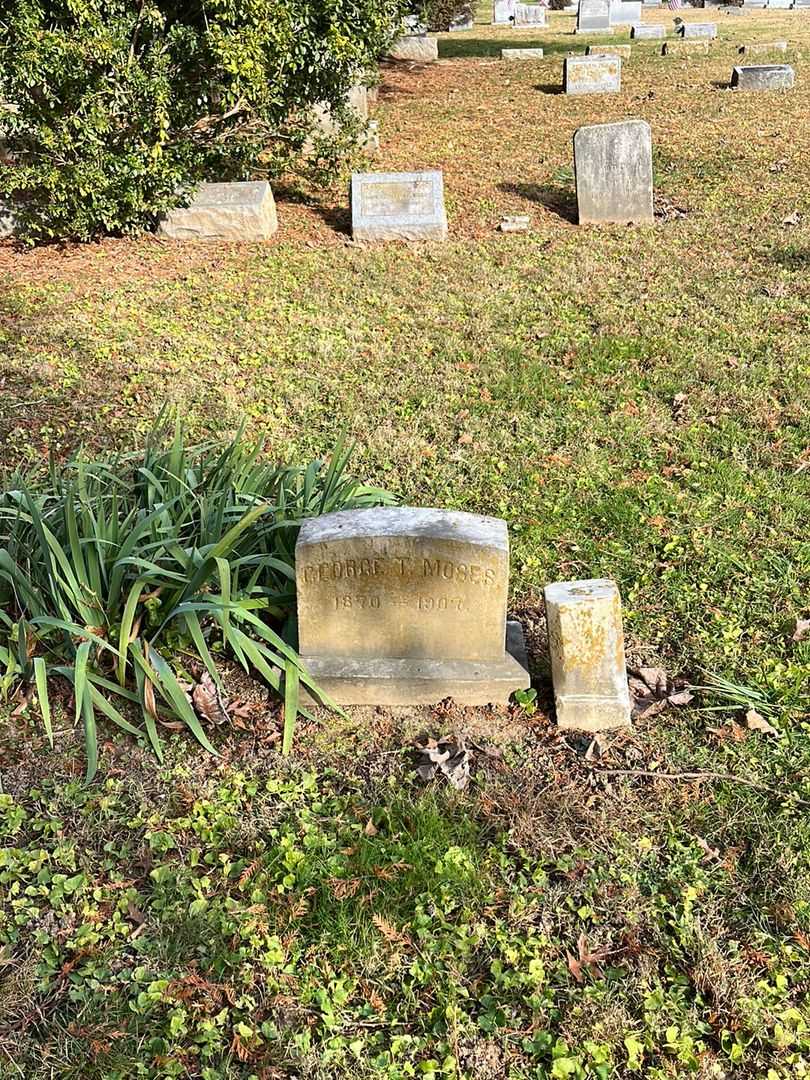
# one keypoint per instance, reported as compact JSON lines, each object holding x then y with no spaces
{"x":592,"y":74}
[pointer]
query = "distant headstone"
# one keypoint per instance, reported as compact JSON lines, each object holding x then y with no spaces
{"x":648,"y":33}
{"x":527,"y":15}
{"x":405,"y":606}
{"x":762,"y":49}
{"x":763,"y":77}
{"x":624,"y":51}
{"x":417,"y":48}
{"x":412,"y":24}
{"x":731,"y":9}
{"x":586,"y":642}
{"x":613,"y":172}
{"x":238,"y":211}
{"x":7,"y":221}
{"x":593,"y":16}
{"x":592,"y":74}
{"x":515,"y":223}
{"x":697,"y":30}
{"x":503,"y":12}
{"x":521,"y":54}
{"x":755,"y":3}
{"x":780,"y":4}
{"x":463,"y":22}
{"x":625,"y":12}
{"x":685,"y":48}
{"x":398,"y":206}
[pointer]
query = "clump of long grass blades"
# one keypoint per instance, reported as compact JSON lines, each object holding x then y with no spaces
{"x":109,"y":567}
{"x":736,"y":696}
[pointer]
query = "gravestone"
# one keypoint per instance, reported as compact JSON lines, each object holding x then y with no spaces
{"x":237,"y":211}
{"x":463,"y":22}
{"x":593,"y":17}
{"x":648,"y":33}
{"x":7,"y":221}
{"x":521,"y":54}
{"x":625,"y":12}
{"x":689,"y":31}
{"x":503,"y":12}
{"x":416,"y":48}
{"x":613,"y":172}
{"x":780,"y":4}
{"x":586,"y":642}
{"x":685,"y":48}
{"x":731,"y":10}
{"x":755,"y":3}
{"x":763,"y":77}
{"x":761,"y":49}
{"x":398,"y":206}
{"x":529,"y":15}
{"x":325,"y":124}
{"x":609,"y":50}
{"x":405,"y":606}
{"x":592,"y":74}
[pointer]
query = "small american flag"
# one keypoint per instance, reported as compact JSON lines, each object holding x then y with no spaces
{"x":675,"y":5}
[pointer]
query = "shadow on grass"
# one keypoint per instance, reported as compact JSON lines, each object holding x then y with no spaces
{"x":452,"y":49}
{"x":792,"y":258}
{"x":720,"y":84}
{"x":558,"y":198}
{"x":549,"y":88}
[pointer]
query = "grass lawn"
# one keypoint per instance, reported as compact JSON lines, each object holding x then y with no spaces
{"x":635,"y":403}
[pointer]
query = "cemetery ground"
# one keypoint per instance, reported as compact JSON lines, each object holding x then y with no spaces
{"x":634,"y":403}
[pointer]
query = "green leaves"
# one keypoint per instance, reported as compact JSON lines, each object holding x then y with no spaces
{"x":110,"y":566}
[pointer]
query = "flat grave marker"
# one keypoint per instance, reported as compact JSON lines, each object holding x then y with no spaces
{"x":592,"y":74}
{"x":398,"y":206}
{"x":242,"y":211}
{"x":648,"y":33}
{"x":622,"y":51}
{"x":521,"y":54}
{"x":763,"y":77}
{"x":689,"y":31}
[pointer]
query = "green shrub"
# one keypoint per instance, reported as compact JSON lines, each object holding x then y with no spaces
{"x":439,"y":14}
{"x":111,"y":111}
{"x":113,"y":567}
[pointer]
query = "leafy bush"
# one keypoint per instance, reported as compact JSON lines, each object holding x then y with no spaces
{"x":112,"y":567}
{"x":439,"y":14}
{"x":111,"y":111}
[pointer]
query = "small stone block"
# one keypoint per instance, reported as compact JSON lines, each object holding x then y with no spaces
{"x":239,"y":211}
{"x":648,"y":33}
{"x":417,"y":48}
{"x":685,"y":48}
{"x":465,"y":22}
{"x":763,"y":49}
{"x":592,"y":74}
{"x":398,"y":206}
{"x":586,"y":642}
{"x":521,"y":54}
{"x":763,"y":77}
{"x":515,"y":223}
{"x":613,"y":173}
{"x":407,"y":606}
{"x":593,"y":15}
{"x":622,"y":51}
{"x":780,"y":4}
{"x":731,"y":10}
{"x":697,"y":30}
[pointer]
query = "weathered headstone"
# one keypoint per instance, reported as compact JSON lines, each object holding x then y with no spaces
{"x":763,"y":77}
{"x":521,"y":54}
{"x":623,"y":51}
{"x":398,"y":206}
{"x":780,"y":4}
{"x":7,"y":221}
{"x":731,"y":10}
{"x":404,"y":606}
{"x":685,"y":48}
{"x":463,"y":22}
{"x":625,"y":12}
{"x":763,"y":48}
{"x":586,"y":642}
{"x":755,"y":3}
{"x":325,"y":123}
{"x":613,"y":172}
{"x":592,"y":74}
{"x":697,"y":30}
{"x":417,"y":48}
{"x":529,"y":15}
{"x":237,"y":211}
{"x":593,"y":17}
{"x":503,"y":12}
{"x":648,"y":33}
{"x":512,"y":223}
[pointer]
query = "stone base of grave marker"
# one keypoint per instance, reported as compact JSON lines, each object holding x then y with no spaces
{"x":763,"y":77}
{"x":406,"y":606}
{"x":613,"y":173}
{"x":398,"y":206}
{"x":763,"y":49}
{"x":417,"y":48}
{"x":648,"y":33}
{"x":521,"y":54}
{"x":238,"y":211}
{"x":587,"y":655}
{"x":623,"y":51}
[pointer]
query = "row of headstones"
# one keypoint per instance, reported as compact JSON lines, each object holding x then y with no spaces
{"x":407,"y":606}
{"x":600,"y":72}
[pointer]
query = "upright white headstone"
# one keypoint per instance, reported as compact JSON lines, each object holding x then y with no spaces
{"x":613,"y":171}
{"x":398,"y":206}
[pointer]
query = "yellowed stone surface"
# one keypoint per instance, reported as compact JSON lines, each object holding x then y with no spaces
{"x":685,"y":48}
{"x":586,"y":643}
{"x":609,"y":50}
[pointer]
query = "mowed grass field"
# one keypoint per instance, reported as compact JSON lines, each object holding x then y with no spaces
{"x":634,"y":402}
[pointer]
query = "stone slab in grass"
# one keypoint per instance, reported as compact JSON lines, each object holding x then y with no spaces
{"x":625,"y":12}
{"x":685,"y":48}
{"x":622,"y":51}
{"x":648,"y":33}
{"x":613,"y":173}
{"x":529,"y":15}
{"x":763,"y":48}
{"x":780,"y":4}
{"x":593,"y":16}
{"x":236,"y":211}
{"x":586,"y":642}
{"x":398,"y":206}
{"x":592,"y":74}
{"x":417,"y":48}
{"x":521,"y":54}
{"x":407,"y":606}
{"x":688,"y":31}
{"x":464,"y":22}
{"x":763,"y":77}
